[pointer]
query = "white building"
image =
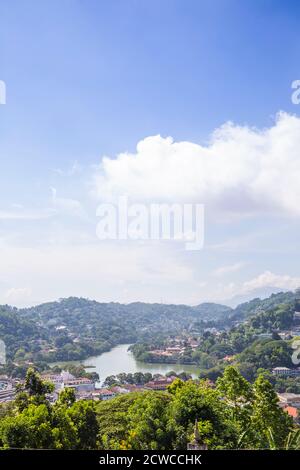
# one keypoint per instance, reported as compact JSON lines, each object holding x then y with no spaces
{"x":103,"y":394}
{"x":79,"y":385}
{"x":285,"y":371}
{"x":65,"y":375}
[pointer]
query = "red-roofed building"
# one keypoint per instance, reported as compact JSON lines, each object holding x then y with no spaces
{"x":80,"y":384}
{"x":228,"y":358}
{"x":103,"y":394}
{"x":293,"y":412}
{"x":118,"y":389}
{"x":160,"y":384}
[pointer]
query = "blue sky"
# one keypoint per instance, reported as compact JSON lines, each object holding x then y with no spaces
{"x":92,"y":78}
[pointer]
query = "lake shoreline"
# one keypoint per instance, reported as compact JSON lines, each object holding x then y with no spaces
{"x":119,"y":359}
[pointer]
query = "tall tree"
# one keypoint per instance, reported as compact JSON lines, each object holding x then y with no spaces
{"x":267,"y":416}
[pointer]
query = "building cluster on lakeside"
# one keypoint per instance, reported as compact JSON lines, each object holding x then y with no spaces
{"x":60,"y":382}
{"x":84,"y":388}
{"x":159,"y":383}
{"x":176,"y":347}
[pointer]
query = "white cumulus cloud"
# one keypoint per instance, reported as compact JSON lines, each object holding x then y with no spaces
{"x":242,"y":169}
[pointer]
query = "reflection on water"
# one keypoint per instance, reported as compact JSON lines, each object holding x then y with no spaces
{"x":119,"y":359}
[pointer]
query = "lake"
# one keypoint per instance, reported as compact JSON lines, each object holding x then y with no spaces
{"x":119,"y":359}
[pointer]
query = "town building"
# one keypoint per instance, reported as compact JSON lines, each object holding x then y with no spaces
{"x":286,"y":371}
{"x":160,"y":383}
{"x":7,"y":390}
{"x":56,"y":379}
{"x":79,"y":385}
{"x":293,"y":412}
{"x":103,"y":394}
{"x":119,"y":390}
{"x":289,"y":399}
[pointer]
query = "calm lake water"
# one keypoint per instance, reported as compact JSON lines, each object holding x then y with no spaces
{"x":119,"y":359}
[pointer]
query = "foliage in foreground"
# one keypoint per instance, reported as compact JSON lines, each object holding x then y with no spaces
{"x":234,"y":414}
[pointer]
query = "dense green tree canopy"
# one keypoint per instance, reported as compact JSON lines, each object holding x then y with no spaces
{"x":233,"y":415}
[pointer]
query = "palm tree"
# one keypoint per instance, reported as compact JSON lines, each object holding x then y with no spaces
{"x":292,"y":441}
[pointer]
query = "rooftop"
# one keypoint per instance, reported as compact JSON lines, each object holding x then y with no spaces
{"x":292,"y":411}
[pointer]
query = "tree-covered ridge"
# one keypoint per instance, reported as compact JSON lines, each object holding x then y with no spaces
{"x":75,"y":328}
{"x":251,"y":345}
{"x":248,"y":309}
{"x":279,"y":317}
{"x":210,"y":311}
{"x":17,"y":332}
{"x":235,"y":414}
{"x":138,"y":314}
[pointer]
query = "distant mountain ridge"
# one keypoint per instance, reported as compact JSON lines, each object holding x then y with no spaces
{"x":220,"y":311}
{"x":145,"y":312}
{"x":65,"y":309}
{"x":75,"y":328}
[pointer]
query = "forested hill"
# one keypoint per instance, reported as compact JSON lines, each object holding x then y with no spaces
{"x":143,"y":313}
{"x":17,"y":332}
{"x":248,"y":309}
{"x":213,"y":312}
{"x":73,"y":309}
{"x":75,"y":328}
{"x":114,"y":321}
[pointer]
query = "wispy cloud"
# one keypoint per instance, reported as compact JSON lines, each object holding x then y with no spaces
{"x":231,"y":268}
{"x":23,"y":214}
{"x":18,"y":295}
{"x":68,"y":206}
{"x":75,"y":169}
